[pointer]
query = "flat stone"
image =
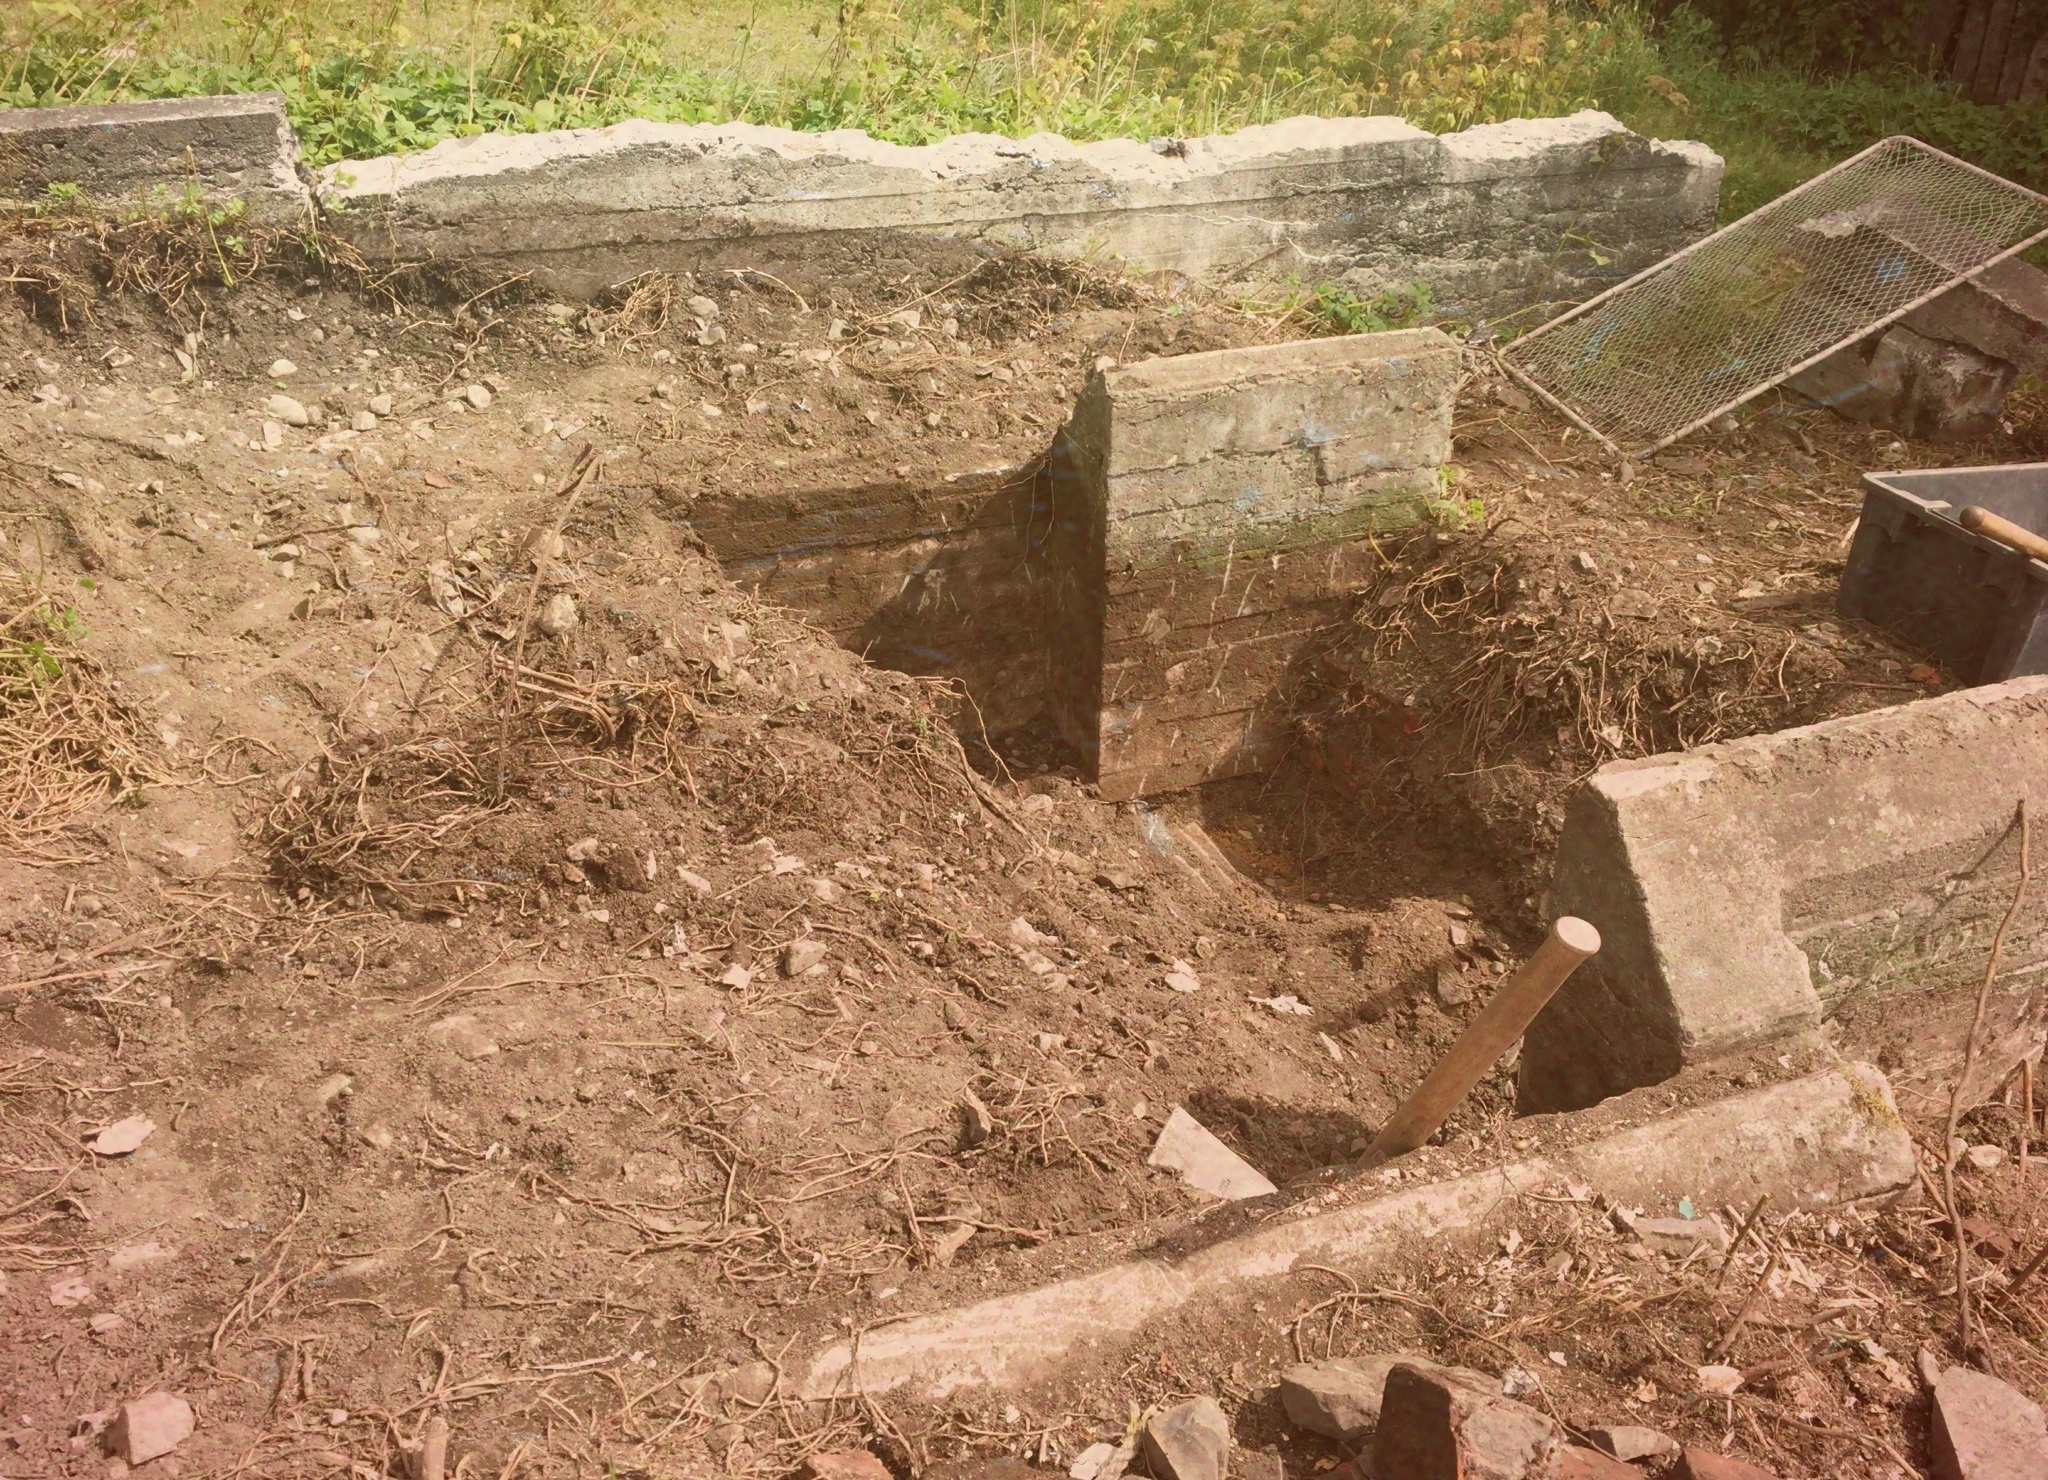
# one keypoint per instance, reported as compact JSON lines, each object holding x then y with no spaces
{"x":1984,"y":1429}
{"x":1704,"y":1464}
{"x":1189,"y":1441}
{"x":845,"y":1464}
{"x":288,"y":410}
{"x":1340,"y":1398}
{"x":1186,"y":1146}
{"x":1681,"y":1236}
{"x":1575,"y":1463}
{"x":1629,"y":1441}
{"x":1443,"y":1425}
{"x":149,"y":1427}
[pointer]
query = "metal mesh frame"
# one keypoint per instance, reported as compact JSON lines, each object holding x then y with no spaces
{"x":1852,"y":250}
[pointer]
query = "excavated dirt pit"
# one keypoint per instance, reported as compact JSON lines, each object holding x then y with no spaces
{"x":532,"y":1013}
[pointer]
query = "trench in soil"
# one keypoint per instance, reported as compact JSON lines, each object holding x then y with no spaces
{"x":459,"y":996}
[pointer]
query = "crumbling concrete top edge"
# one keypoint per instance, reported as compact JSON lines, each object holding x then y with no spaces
{"x":1627,"y":780}
{"x":1179,"y":374}
{"x":156,"y":110}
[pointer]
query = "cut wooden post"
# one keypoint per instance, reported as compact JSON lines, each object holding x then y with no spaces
{"x":1478,"y":1049}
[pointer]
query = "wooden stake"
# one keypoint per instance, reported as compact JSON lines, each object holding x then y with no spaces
{"x":1479,"y":1048}
{"x":2026,"y":1110}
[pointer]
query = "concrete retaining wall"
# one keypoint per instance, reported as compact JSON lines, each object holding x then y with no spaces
{"x":1213,"y":508}
{"x":145,"y":156}
{"x":1495,"y":219}
{"x":1743,"y":889}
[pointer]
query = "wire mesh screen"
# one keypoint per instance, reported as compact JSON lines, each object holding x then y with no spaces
{"x":1738,"y":312}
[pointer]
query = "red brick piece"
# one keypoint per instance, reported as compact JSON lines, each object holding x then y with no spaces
{"x":1574,"y":1463}
{"x":1445,"y":1425}
{"x":845,"y":1464}
{"x":1984,"y":1430}
{"x":1704,"y":1464}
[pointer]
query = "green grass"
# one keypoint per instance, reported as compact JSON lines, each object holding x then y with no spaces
{"x":366,"y":77}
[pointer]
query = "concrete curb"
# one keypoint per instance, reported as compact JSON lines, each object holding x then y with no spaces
{"x":145,"y":156}
{"x":1830,"y":1138}
{"x":1742,"y":889}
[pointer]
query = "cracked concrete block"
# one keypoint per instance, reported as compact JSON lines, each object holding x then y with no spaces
{"x":1741,"y":889}
{"x":1214,"y":510}
{"x":1919,"y":387}
{"x":130,"y":156}
{"x":1493,"y":218}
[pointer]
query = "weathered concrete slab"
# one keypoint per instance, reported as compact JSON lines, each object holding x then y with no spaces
{"x":1494,"y":219}
{"x":145,"y":156}
{"x":1741,"y":889}
{"x":1823,"y":1140}
{"x":1213,"y":507}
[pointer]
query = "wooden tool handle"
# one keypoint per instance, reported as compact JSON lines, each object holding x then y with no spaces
{"x":1478,"y":1049}
{"x":2012,"y":536}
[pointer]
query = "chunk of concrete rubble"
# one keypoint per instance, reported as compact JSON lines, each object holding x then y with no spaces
{"x":1189,"y":1441}
{"x":1704,"y":1464}
{"x":800,"y":956}
{"x":1984,"y":1429}
{"x":1205,"y":1163}
{"x":1089,"y":1462}
{"x":1932,"y":389}
{"x":1627,"y":1441}
{"x":1340,"y":1398}
{"x":1443,"y":1425}
{"x":1693,"y":865}
{"x":150,"y":1427}
{"x":845,"y":1464}
{"x":1575,"y":1463}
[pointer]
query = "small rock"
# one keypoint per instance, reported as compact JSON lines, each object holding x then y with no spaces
{"x":288,"y":411}
{"x":106,"y":1323}
{"x":280,"y":369}
{"x":1205,"y":1163}
{"x":1089,"y":1462}
{"x":68,"y":1290}
{"x":704,"y":308}
{"x":976,"y":1124}
{"x":1586,"y":564}
{"x":1189,"y":1441}
{"x":1181,"y":977}
{"x":1629,"y":1441}
{"x":1985,"y":1158}
{"x":1451,"y":987}
{"x":273,"y":435}
{"x":149,"y":1427}
{"x":1574,"y":1463}
{"x":478,"y":396}
{"x":123,"y":1136}
{"x":1705,"y":1464}
{"x":1681,"y":1236}
{"x":381,"y":405}
{"x":559,"y":616}
{"x":800,"y":956}
{"x":1985,"y":1430}
{"x":845,"y":1464}
{"x":1340,"y":1398}
{"x":365,"y":421}
{"x":1930,"y":1368}
{"x":1445,"y":1423}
